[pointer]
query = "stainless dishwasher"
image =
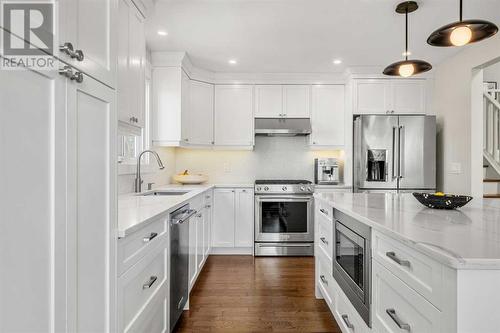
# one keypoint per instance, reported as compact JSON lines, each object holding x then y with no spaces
{"x":179,"y":261}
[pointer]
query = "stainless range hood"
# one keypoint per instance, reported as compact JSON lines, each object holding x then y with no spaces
{"x":282,"y":126}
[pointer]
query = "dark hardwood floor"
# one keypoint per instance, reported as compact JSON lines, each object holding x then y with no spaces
{"x":247,"y":294}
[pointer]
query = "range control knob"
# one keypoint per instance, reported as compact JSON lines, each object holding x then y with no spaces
{"x":302,"y":188}
{"x":266,"y":188}
{"x":258,"y":188}
{"x":309,"y":189}
{"x":284,"y":188}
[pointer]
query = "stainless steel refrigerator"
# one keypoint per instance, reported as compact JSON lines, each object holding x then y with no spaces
{"x":394,"y":153}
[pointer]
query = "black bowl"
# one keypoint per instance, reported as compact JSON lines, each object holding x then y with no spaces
{"x":447,"y":201}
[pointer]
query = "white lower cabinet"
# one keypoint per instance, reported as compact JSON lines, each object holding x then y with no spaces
{"x":233,"y":218}
{"x":397,"y":307}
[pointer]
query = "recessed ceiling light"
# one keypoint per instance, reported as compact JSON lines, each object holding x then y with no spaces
{"x":162,"y":33}
{"x":232,"y":61}
{"x":337,"y":61}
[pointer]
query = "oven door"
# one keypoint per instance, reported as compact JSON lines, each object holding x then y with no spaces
{"x":283,"y":218}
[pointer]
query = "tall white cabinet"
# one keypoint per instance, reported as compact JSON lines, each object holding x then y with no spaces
{"x":328,"y":115}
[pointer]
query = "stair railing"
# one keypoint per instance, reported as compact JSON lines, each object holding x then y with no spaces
{"x":491,"y":123}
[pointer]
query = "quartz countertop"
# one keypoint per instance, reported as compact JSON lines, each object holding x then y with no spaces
{"x":465,"y":238}
{"x":135,"y":210}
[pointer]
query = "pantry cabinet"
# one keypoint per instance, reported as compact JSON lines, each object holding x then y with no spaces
{"x":90,"y":26}
{"x":234,"y":124}
{"x":131,"y":64}
{"x":282,"y":101}
{"x":66,"y":276}
{"x":389,"y":96}
{"x":328,"y":115}
{"x":233,"y":218}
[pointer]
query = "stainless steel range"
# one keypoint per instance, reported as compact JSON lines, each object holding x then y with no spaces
{"x":283,"y":218}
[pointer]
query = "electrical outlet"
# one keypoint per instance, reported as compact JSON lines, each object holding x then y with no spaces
{"x":456,"y":168}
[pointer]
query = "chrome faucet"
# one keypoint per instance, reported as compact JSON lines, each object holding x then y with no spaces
{"x":138,"y":180}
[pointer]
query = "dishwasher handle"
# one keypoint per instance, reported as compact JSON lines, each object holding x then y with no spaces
{"x":183,"y":217}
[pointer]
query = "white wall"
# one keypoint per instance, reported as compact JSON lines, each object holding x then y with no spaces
{"x":272,"y":158}
{"x":452,"y":105}
{"x":492,"y":73}
{"x":151,"y":173}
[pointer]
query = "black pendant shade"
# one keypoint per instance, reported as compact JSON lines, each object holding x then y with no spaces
{"x":475,"y":31}
{"x":407,"y":67}
{"x":419,"y":66}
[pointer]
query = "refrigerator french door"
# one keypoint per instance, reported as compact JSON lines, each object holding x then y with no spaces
{"x":395,"y":153}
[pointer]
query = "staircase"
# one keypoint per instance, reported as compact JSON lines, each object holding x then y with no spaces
{"x":491,"y":143}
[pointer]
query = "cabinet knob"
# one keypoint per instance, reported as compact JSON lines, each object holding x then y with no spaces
{"x":67,"y":71}
{"x":68,"y":49}
{"x":78,"y":55}
{"x":78,"y":77}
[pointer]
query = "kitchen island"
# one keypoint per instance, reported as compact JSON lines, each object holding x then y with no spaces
{"x":431,"y":270}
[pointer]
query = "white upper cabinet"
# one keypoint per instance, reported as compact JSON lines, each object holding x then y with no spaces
{"x":131,"y":64}
{"x":201,"y":113}
{"x":90,"y":27}
{"x":282,"y":101}
{"x":268,"y":101}
{"x":170,"y":106}
{"x":328,"y":115}
{"x":296,"y":101}
{"x":234,"y":124}
{"x":408,"y":96}
{"x":389,"y":96}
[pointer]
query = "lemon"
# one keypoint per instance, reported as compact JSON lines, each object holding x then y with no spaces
{"x":439,"y":194}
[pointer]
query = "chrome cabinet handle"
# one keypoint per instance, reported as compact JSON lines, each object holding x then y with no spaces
{"x":68,"y":49}
{"x":323,"y":279}
{"x":78,"y":77}
{"x":324,"y":211}
{"x":345,"y":318}
{"x":199,"y":215}
{"x":150,"y":282}
{"x":208,"y":206}
{"x":66,"y":71}
{"x":148,"y":239}
{"x":395,"y":258}
{"x":207,"y":197}
{"x":323,"y":239}
{"x":393,"y":315}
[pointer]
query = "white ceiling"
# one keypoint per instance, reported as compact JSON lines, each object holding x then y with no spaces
{"x":303,"y":36}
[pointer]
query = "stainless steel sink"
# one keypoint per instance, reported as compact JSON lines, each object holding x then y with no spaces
{"x":165,"y":192}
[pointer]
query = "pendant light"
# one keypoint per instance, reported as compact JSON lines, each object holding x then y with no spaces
{"x":462,"y":32}
{"x":407,"y":67}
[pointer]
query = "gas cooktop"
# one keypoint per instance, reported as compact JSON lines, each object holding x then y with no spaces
{"x":281,"y":181}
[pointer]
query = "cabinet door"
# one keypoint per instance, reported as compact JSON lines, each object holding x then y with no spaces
{"x":91,"y":236}
{"x":408,"y":96}
{"x":201,"y":113}
{"x":234,"y":123}
{"x":33,"y":223}
{"x":123,"y":85}
{"x":193,"y":245}
{"x":90,"y":27}
{"x":328,"y":115}
{"x":244,"y":221}
{"x":223,"y":218}
{"x":268,"y":101}
{"x":136,"y":65}
{"x":200,"y":239}
{"x":207,"y":230}
{"x":372,"y":96}
{"x":296,"y":101}
{"x":185,"y":107}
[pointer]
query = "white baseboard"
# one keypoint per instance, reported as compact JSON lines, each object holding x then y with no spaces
{"x":231,"y":251}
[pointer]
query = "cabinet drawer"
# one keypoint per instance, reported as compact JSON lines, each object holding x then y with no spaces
{"x":398,"y":308}
{"x":325,"y":279}
{"x":323,"y":209}
{"x":417,"y":270}
{"x":135,"y":246}
{"x":348,"y":318}
{"x":325,"y":236}
{"x":139,"y":283}
{"x":154,"y":318}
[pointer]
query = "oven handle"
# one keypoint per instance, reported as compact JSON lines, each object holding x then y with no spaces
{"x":285,"y":245}
{"x":298,"y":198}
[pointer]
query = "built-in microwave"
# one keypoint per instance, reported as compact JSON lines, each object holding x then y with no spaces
{"x":352,"y":262}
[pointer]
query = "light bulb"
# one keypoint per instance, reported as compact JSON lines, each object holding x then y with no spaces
{"x":461,"y":35}
{"x":406,"y":70}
